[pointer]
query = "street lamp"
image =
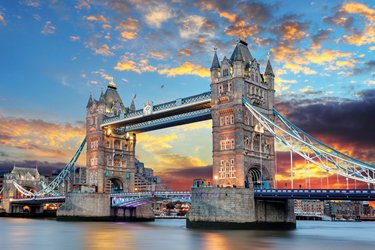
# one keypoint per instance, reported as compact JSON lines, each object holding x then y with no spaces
{"x":259,"y":128}
{"x":216,"y":178}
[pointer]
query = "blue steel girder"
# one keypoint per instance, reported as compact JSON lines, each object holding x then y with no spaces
{"x":171,"y":121}
{"x":315,"y":194}
{"x":164,"y":110}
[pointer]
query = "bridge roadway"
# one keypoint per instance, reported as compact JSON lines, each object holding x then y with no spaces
{"x":178,"y":112}
{"x":140,"y":198}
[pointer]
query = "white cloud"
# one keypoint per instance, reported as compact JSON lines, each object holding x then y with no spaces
{"x":48,"y":29}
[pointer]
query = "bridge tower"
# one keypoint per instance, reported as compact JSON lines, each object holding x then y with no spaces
{"x":242,"y":150}
{"x":110,"y":157}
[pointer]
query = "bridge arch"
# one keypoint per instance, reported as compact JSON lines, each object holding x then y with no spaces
{"x":114,"y":185}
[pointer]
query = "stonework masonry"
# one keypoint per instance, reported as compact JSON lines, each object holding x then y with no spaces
{"x":235,"y":208}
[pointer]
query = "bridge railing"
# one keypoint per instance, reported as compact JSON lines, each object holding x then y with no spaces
{"x":204,"y":97}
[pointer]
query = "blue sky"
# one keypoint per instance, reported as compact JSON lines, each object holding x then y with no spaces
{"x":54,"y":53}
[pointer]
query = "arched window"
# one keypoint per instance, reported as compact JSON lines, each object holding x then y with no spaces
{"x":231,"y":119}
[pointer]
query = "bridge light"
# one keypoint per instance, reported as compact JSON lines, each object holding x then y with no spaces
{"x":109,"y":131}
{"x":127,"y":136}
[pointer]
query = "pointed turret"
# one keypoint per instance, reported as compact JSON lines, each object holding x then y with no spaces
{"x":241,"y":52}
{"x":215,"y":62}
{"x":101,"y":98}
{"x":269,"y":70}
{"x":132,"y":105}
{"x":89,"y":103}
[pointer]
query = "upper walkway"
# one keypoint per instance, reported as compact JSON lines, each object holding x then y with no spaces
{"x":178,"y":112}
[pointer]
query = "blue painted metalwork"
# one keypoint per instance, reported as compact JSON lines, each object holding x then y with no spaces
{"x":316,"y":194}
{"x":175,"y":120}
{"x":58,"y":180}
{"x":176,"y":104}
{"x":313,"y":150}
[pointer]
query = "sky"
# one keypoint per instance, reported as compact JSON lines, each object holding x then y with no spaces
{"x":54,"y":53}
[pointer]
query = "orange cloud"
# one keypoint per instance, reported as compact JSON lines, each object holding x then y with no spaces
{"x":292,"y":31}
{"x":240,"y":28}
{"x":126,"y":64}
{"x":231,"y":17}
{"x":185,"y":52}
{"x":37,"y":139}
{"x":97,"y":18}
{"x":104,"y":50}
{"x":128,"y":35}
{"x":366,"y":37}
{"x":359,"y":8}
{"x":2,"y":19}
{"x":129,"y":24}
{"x":157,"y":55}
{"x":296,"y":68}
{"x":187,"y":68}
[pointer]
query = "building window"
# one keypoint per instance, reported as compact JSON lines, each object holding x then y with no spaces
{"x":221,"y":89}
{"x":227,"y":144}
{"x":229,"y":87}
{"x":227,"y":169}
{"x":231,"y":119}
{"x":226,"y":120}
{"x":94,"y":161}
{"x":94,"y":144}
{"x":225,"y":72}
{"x":221,"y":121}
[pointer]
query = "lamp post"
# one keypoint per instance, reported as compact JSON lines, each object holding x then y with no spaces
{"x":259,"y":128}
{"x":216,"y":178}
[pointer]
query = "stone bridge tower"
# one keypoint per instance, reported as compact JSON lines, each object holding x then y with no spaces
{"x":110,"y":157}
{"x":242,"y":150}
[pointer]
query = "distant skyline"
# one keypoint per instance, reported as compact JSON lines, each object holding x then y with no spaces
{"x":54,"y":53}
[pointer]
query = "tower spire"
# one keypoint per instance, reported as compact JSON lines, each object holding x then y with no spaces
{"x":112,"y":84}
{"x":215,"y":61}
{"x":89,"y":103}
{"x":269,"y":70}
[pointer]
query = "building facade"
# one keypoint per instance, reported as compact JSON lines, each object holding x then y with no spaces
{"x":243,"y":152}
{"x":111,"y":165}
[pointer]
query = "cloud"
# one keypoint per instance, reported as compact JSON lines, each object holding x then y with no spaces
{"x":193,"y":26}
{"x":128,"y":35}
{"x":128,"y":29}
{"x":129,"y":24}
{"x":231,"y":17}
{"x":31,"y":139}
{"x":127,"y":64}
{"x":104,"y":50}
{"x":359,"y":8}
{"x":182,"y":179}
{"x":187,"y":68}
{"x":31,"y":3}
{"x":296,"y":68}
{"x":155,"y":12}
{"x":321,"y":36}
{"x":255,"y":12}
{"x":104,"y":75}
{"x":74,"y":38}
{"x":343,"y":123}
{"x":367,"y":36}
{"x":243,"y":29}
{"x":97,"y":18}
{"x":2,"y":19}
{"x":48,"y":29}
{"x":158,"y":55}
{"x":364,"y":68}
{"x":83,"y":4}
{"x":185,"y":52}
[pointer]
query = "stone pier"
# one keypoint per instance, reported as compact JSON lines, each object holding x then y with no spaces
{"x":97,"y":207}
{"x":236,"y":208}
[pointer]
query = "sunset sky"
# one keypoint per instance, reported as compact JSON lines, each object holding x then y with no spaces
{"x":54,"y":53}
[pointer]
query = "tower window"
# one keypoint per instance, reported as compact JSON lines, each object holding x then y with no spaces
{"x":229,"y":87}
{"x":225,"y":72}
{"x":227,"y":169}
{"x":221,"y":89}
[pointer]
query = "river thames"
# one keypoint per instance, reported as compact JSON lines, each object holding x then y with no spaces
{"x":172,"y":234}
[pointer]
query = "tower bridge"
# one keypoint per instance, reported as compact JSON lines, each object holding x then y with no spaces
{"x":245,"y":128}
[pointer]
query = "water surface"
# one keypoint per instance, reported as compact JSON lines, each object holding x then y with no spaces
{"x":18,"y":233}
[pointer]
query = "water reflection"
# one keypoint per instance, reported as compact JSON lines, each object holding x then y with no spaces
{"x":172,"y":234}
